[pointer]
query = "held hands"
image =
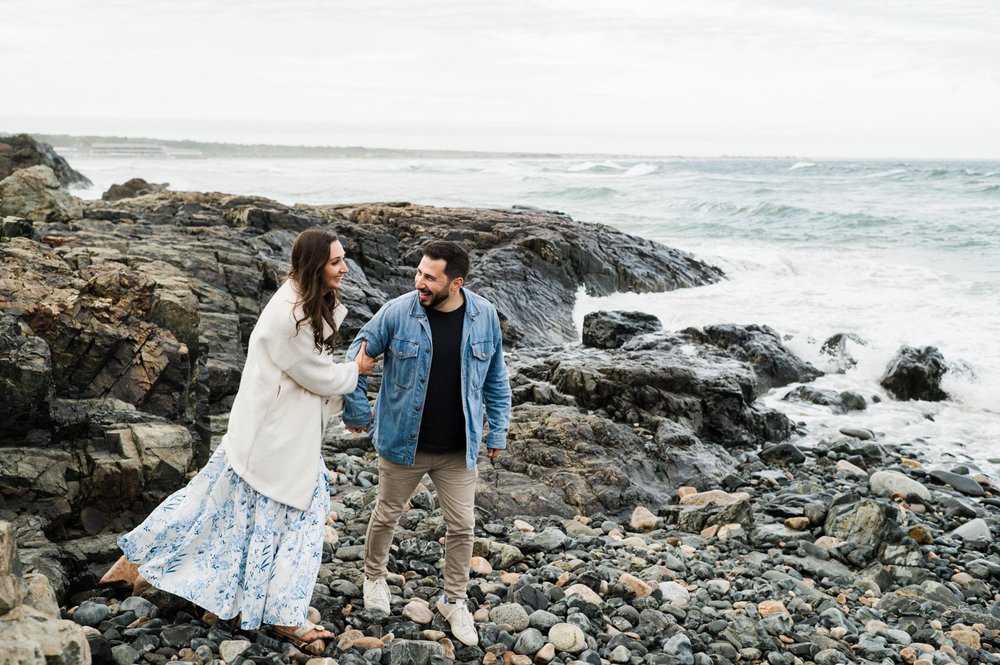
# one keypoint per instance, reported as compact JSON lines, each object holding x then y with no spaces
{"x":364,"y":362}
{"x":363,"y":428}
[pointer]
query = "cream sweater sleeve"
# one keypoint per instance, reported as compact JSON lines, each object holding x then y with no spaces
{"x":296,"y":355}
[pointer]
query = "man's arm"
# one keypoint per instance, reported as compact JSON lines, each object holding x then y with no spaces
{"x":357,"y":412}
{"x":496,"y":396}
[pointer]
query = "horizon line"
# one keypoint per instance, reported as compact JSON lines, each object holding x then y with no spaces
{"x":474,"y":153}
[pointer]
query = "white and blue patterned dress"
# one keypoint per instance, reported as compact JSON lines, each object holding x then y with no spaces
{"x":231,"y":550}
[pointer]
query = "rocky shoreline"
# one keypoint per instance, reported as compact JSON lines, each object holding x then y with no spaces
{"x":649,"y":509}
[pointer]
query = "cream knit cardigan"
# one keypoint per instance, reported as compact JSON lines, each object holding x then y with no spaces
{"x":286,"y":395}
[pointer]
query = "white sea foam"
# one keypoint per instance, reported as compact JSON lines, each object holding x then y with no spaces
{"x":801,"y":165}
{"x":640,"y":170}
{"x":807,"y":296}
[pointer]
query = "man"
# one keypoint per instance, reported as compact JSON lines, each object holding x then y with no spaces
{"x":443,"y":362}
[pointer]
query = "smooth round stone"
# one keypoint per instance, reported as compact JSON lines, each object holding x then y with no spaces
{"x":512,"y":614}
{"x":858,"y":433}
{"x":139,"y":605}
{"x":899,"y":637}
{"x":887,"y":483}
{"x":620,"y":654}
{"x":91,"y":614}
{"x":567,"y":637}
{"x":642,"y":519}
{"x":230,"y":649}
{"x":418,"y":611}
{"x":529,"y":641}
{"x":586,"y":593}
{"x":546,"y":654}
{"x":674,"y":592}
{"x":875,"y":627}
{"x":123,"y":654}
{"x":679,"y":646}
{"x":542,"y":620}
{"x":976,"y":530}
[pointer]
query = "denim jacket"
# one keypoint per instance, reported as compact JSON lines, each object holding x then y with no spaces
{"x":401,"y":332}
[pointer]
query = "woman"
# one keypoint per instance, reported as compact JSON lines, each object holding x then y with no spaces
{"x":245,"y":536}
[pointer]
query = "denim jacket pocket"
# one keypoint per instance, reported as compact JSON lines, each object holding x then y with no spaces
{"x":482,"y":354}
{"x":403,"y":366}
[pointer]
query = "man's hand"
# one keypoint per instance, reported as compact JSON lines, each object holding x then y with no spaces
{"x":493,"y":453}
{"x":364,"y":362}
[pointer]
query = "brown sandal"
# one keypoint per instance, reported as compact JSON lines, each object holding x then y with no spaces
{"x":296,"y":636}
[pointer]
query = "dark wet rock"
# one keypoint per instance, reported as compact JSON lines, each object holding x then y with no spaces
{"x":838,"y":402}
{"x":16,"y":227}
{"x":838,"y":349}
{"x":22,"y":151}
{"x":761,"y":347}
{"x":916,"y":374}
{"x":131,"y":189}
{"x":858,"y":433}
{"x":91,"y":614}
{"x":782,"y":454}
{"x":963,"y":484}
{"x":609,"y":330}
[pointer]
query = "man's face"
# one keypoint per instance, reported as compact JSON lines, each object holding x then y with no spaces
{"x":432,"y":285}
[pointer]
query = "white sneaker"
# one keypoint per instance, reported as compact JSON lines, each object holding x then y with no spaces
{"x":458,"y":615}
{"x":377,"y":595}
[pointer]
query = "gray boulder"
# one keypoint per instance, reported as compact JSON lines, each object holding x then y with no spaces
{"x":838,"y":402}
{"x":36,"y":194}
{"x":131,"y":189}
{"x":761,"y":347}
{"x":609,"y":330}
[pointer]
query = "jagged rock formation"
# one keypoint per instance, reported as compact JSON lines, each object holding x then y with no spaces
{"x":21,"y":151}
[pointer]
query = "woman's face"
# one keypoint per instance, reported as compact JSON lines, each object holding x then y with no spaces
{"x":336,"y":267}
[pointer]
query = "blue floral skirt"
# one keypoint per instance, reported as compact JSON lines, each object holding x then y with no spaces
{"x":231,"y":550}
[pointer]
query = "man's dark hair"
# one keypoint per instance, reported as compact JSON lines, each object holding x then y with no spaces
{"x":456,"y":259}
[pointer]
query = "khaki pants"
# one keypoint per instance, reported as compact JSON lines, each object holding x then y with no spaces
{"x":456,"y":492}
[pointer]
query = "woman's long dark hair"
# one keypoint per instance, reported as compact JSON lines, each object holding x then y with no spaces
{"x":310,"y":254}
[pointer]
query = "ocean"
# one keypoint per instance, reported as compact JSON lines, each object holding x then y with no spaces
{"x":894,"y":252}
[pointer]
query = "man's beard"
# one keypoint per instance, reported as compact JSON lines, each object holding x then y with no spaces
{"x":436,"y":299}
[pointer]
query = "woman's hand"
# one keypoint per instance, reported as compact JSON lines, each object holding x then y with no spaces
{"x":364,"y":362}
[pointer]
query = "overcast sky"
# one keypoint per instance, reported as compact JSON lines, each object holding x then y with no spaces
{"x":827,"y":78}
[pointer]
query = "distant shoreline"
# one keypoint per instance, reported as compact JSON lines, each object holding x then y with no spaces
{"x":74,"y":146}
{"x":83,"y":146}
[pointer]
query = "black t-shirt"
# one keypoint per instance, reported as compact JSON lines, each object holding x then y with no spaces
{"x":442,"y":425}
